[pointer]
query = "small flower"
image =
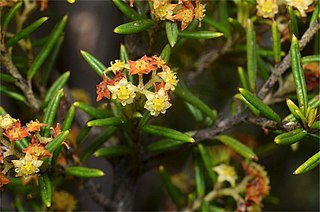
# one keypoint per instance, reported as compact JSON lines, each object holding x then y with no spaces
{"x":63,"y":201}
{"x":157,"y":102}
{"x":26,"y":166}
{"x":226,"y":173}
{"x":102,"y":87}
{"x":258,"y":187}
{"x":118,"y":65}
{"x":199,"y":11}
{"x":56,"y":131}
{"x":3,"y":181}
{"x":37,"y":150}
{"x":267,"y":8}
{"x":158,"y":61}
{"x":301,"y":5}
{"x":123,"y":91}
{"x":16,"y":132}
{"x":6,"y":121}
{"x":141,"y":66}
{"x":185,"y":14}
{"x":34,"y":126}
{"x":169,"y":78}
{"x":164,"y":12}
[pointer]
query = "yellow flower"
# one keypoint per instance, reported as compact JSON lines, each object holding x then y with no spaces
{"x":164,"y":12}
{"x":123,"y":91}
{"x":118,"y":65}
{"x":26,"y":166}
{"x":199,"y":11}
{"x":157,"y":102}
{"x":267,"y":8}
{"x":6,"y":121}
{"x":63,"y":201}
{"x":169,"y":78}
{"x":301,"y":5}
{"x":226,"y":173}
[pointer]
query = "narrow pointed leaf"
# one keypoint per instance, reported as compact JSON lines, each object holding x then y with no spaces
{"x":95,"y":64}
{"x":237,"y":146}
{"x":311,"y":59}
{"x":145,"y":119}
{"x":12,"y":94}
{"x":57,"y":85}
{"x":293,"y":109}
{"x":243,"y":78}
{"x":170,"y":188}
{"x":67,"y":122}
{"x":126,"y":10}
{"x":112,"y":121}
{"x":195,"y":112}
{"x":253,"y":109}
{"x":199,"y":34}
{"x":96,"y":143}
{"x":315,"y":14}
{"x":26,"y":31}
{"x":316,"y":125}
{"x":167,"y":133}
{"x":11,"y":13}
{"x":46,"y":50}
{"x":7,"y":77}
{"x":207,"y":162}
{"x":298,"y":74}
{"x":218,"y":26}
{"x":21,"y":144}
{"x":92,"y":111}
{"x":134,"y":27}
{"x":172,"y":32}
{"x":251,"y":56}
{"x":57,"y":141}
{"x":83,"y":172}
{"x":291,"y":137}
{"x":195,"y":101}
{"x":198,"y":175}
{"x":257,"y":103}
{"x":123,"y":53}
{"x":293,"y":24}
{"x":45,"y":189}
{"x":309,"y":164}
{"x":82,"y":134}
{"x":165,"y":54}
{"x":113,"y":151}
{"x":164,"y":145}
{"x":51,"y":111}
{"x":313,"y":103}
{"x":276,"y":43}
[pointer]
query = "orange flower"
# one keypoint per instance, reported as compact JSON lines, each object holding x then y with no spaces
{"x":16,"y":132}
{"x":185,"y":14}
{"x":3,"y":181}
{"x":102,"y":87}
{"x":34,"y":126}
{"x":37,"y":150}
{"x":142,"y":66}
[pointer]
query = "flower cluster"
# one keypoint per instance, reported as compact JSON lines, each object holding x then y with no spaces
{"x":63,"y":201}
{"x":156,"y":90}
{"x":30,"y":159}
{"x":268,"y":8}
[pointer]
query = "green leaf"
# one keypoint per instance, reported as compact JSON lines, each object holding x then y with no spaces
{"x":26,"y":31}
{"x":126,"y":10}
{"x":57,"y":85}
{"x":67,"y":122}
{"x":309,"y":164}
{"x":207,"y":162}
{"x":123,"y":53}
{"x":310,"y":59}
{"x":164,"y":145}
{"x":251,"y":56}
{"x":57,"y":141}
{"x":21,"y":144}
{"x":45,"y":189}
{"x":290,"y":137}
{"x":199,"y":177}
{"x":11,"y":13}
{"x":188,"y":97}
{"x":51,"y":111}
{"x":257,"y":103}
{"x":83,"y":172}
{"x":134,"y":26}
{"x":165,"y":53}
{"x":112,"y":121}
{"x":46,"y":50}
{"x":253,"y":109}
{"x":298,"y":74}
{"x":315,"y":14}
{"x":218,"y":26}
{"x":145,"y":119}
{"x":199,"y":34}
{"x":14,"y":95}
{"x":276,"y":43}
{"x":196,"y":113}
{"x":167,"y":133}
{"x":92,"y":111}
{"x":82,"y":134}
{"x":243,"y":78}
{"x":95,"y":64}
{"x":313,"y":103}
{"x":96,"y":143}
{"x":237,"y":146}
{"x":293,"y":24}
{"x":316,"y":125}
{"x":172,"y":32}
{"x":7,"y":77}
{"x":113,"y":151}
{"x":170,"y":188}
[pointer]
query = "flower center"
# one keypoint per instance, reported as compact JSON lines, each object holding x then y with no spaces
{"x":123,"y":93}
{"x":28,"y":168}
{"x":141,"y":64}
{"x":158,"y":104}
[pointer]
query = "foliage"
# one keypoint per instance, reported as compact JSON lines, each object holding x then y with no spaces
{"x":142,"y":91}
